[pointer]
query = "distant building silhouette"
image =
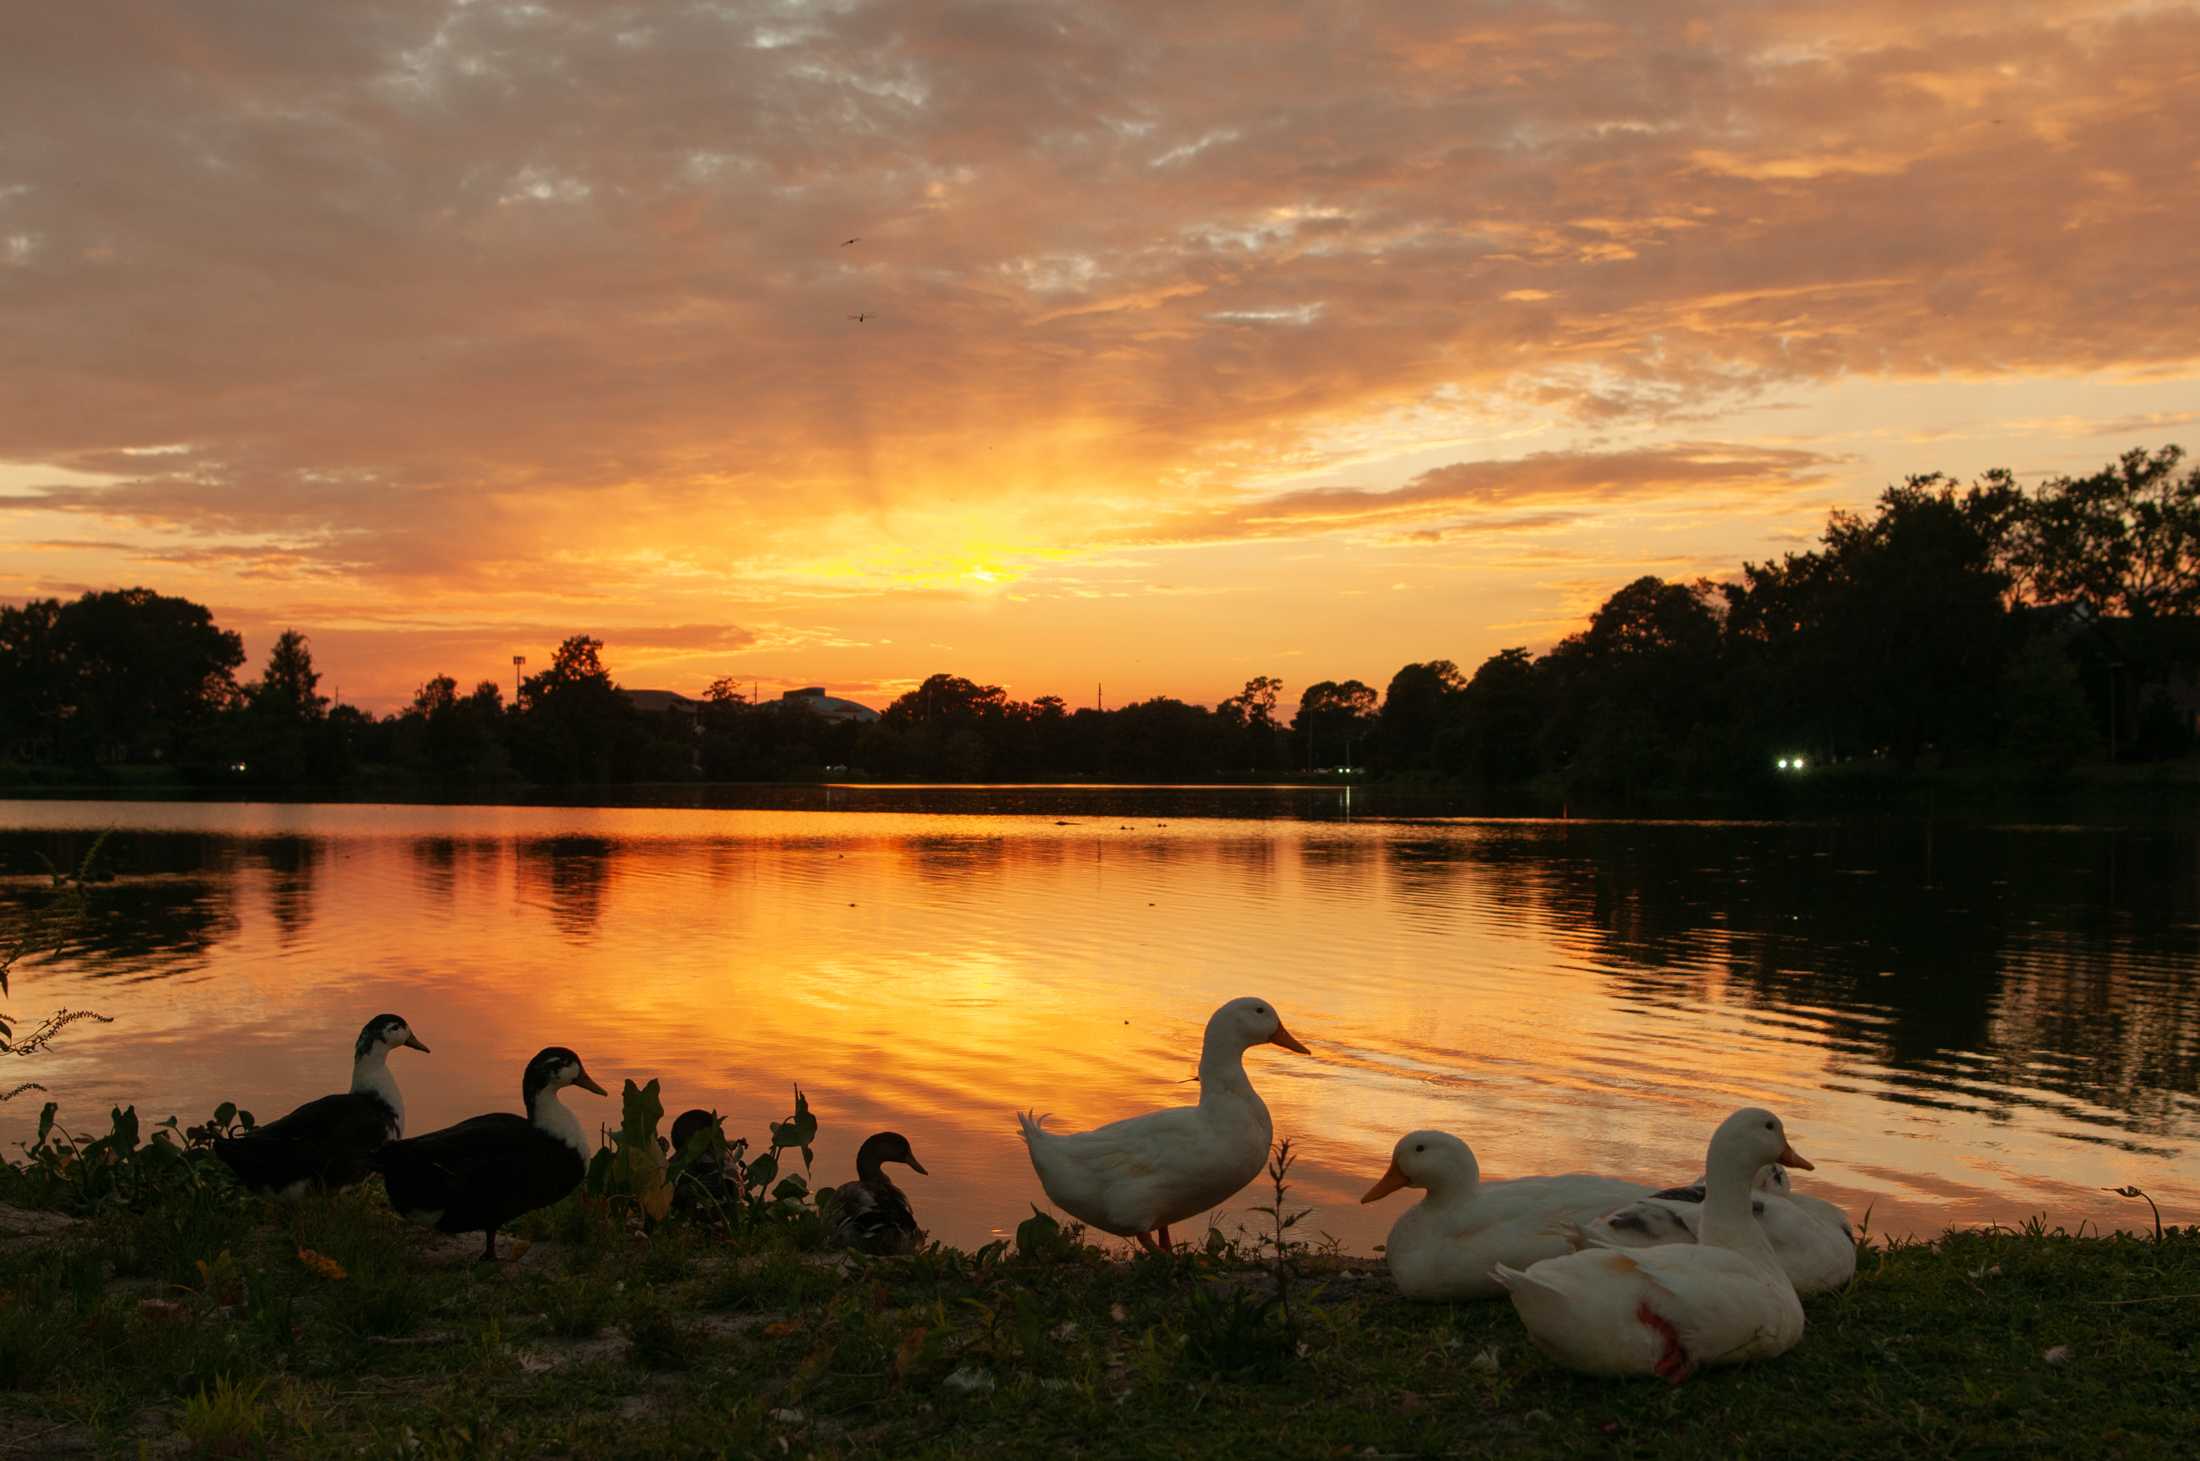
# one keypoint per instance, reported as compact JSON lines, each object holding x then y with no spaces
{"x":657,"y":702}
{"x":829,"y":707}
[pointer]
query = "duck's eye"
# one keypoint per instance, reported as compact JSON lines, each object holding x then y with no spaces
{"x":1772,"y":1126}
{"x":1420,"y":1146}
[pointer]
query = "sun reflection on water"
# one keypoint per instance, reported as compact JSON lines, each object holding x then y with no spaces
{"x":1959,"y":1043}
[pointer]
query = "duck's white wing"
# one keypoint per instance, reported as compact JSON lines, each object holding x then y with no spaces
{"x":1817,"y":1254}
{"x":1113,"y":1176}
{"x":1542,"y":1203}
{"x":1586,"y":1309}
{"x":1725,"y":1307}
{"x":1825,"y":1212}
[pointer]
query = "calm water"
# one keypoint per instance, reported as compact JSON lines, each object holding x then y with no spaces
{"x":1970,"y":1024}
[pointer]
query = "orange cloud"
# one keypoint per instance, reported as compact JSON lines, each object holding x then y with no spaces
{"x":534,"y":315}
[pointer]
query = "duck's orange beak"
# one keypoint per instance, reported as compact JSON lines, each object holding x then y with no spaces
{"x":1388,"y":1183}
{"x":1284,"y":1038}
{"x":1790,"y":1157}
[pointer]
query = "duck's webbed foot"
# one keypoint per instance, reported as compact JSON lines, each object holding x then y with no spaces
{"x":489,"y":1249}
{"x":1145,"y":1241}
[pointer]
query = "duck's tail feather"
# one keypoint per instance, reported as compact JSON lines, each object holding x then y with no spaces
{"x":1033,"y":1126}
{"x":1510,"y":1278}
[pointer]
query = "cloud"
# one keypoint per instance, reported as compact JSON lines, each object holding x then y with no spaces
{"x":1540,"y":490}
{"x":538,"y":311}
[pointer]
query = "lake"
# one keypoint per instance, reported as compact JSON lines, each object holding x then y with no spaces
{"x":1960,"y":1022}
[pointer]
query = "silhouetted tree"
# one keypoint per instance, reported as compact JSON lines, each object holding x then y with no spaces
{"x":1421,"y":701}
{"x":35,"y":676}
{"x":1501,"y":714}
{"x":2123,"y":540}
{"x":2049,"y":725}
{"x":120,"y":675}
{"x":575,"y":725}
{"x":457,"y":739}
{"x":1333,"y":717}
{"x":289,"y":685}
{"x":1251,"y":715}
{"x":1629,"y":693}
{"x":1914,"y":628}
{"x":276,"y":732}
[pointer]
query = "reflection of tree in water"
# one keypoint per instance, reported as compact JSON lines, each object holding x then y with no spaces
{"x":951,"y":860}
{"x":1428,"y":876}
{"x":1981,"y":962}
{"x":568,"y":875}
{"x":1338,"y":866}
{"x":172,"y":898}
{"x":293,"y":864}
{"x":435,"y":865}
{"x":438,"y":863}
{"x":1253,"y":859}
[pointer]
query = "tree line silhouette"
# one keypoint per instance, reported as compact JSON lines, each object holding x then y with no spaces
{"x":1984,"y":625}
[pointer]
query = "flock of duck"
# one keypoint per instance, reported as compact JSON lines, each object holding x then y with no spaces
{"x":1609,"y":1276}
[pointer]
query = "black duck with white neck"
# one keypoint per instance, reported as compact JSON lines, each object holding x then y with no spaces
{"x":487,"y":1170}
{"x":329,"y":1142}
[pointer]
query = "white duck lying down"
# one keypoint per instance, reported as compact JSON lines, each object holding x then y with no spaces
{"x":1136,"y":1176}
{"x":1444,"y":1246}
{"x":1667,"y":1310}
{"x":1810,"y":1237}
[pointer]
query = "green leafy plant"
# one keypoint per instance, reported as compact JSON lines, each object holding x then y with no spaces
{"x":1232,"y":1331}
{"x":1229,"y":1331}
{"x":46,"y":929}
{"x":1283,"y":1250}
{"x":629,"y":1171}
{"x":659,"y":1341}
{"x":796,"y":1133}
{"x":126,"y":1169}
{"x":1040,"y":1239}
{"x":760,"y":1190}
{"x":228,"y":1420}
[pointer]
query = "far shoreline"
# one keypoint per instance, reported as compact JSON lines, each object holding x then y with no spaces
{"x":2089,"y":796}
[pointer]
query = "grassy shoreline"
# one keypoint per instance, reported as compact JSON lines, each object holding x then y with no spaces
{"x":198,"y":1327}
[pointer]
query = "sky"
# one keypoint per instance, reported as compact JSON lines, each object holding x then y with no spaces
{"x":1198,"y":343}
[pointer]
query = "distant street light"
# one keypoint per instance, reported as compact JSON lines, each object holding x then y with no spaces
{"x":519,"y":662}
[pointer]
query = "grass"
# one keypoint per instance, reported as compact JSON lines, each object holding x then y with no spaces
{"x":328,"y":1328}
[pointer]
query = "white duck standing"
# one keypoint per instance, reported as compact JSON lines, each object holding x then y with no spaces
{"x":1811,"y":1237}
{"x":1667,"y":1310}
{"x":1445,"y":1245}
{"x":1136,"y":1176}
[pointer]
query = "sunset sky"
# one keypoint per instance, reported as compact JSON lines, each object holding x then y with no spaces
{"x":1205,"y":341}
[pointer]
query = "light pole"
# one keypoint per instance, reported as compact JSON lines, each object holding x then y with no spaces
{"x":519,"y":662}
